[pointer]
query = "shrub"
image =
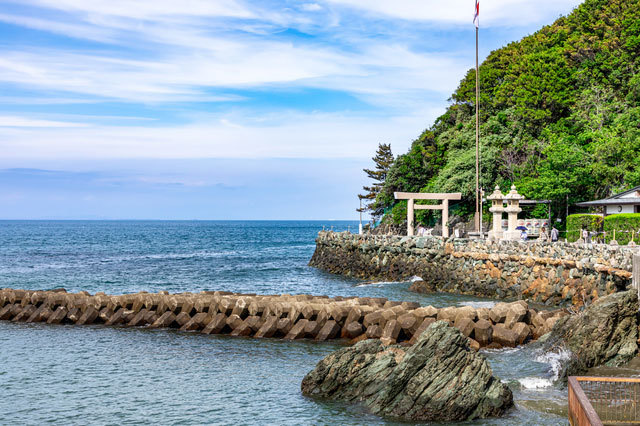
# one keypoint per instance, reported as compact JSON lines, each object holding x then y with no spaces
{"x":623,"y":224}
{"x":577,"y":222}
{"x":399,"y":213}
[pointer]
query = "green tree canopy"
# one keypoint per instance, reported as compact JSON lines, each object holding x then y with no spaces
{"x":559,"y":116}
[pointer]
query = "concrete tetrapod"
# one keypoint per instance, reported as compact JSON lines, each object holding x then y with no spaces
{"x":291,"y":317}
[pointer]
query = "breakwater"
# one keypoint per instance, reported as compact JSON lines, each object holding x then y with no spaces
{"x":289,"y":317}
{"x":556,"y":274}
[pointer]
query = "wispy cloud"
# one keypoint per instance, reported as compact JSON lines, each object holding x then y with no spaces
{"x":67,"y":91}
{"x":149,"y":10}
{"x":14,"y":121}
{"x":497,"y":13}
{"x":320,"y":135}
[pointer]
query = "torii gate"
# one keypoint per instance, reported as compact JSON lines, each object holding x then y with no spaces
{"x":412,"y":196}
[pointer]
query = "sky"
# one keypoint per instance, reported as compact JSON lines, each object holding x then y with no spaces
{"x":225,"y":109}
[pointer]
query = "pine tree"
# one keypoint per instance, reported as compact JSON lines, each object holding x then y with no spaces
{"x":383,"y":160}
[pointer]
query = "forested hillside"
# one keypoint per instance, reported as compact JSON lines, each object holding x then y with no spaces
{"x":559,"y":117}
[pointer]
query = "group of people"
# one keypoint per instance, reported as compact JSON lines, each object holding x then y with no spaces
{"x":554,"y":234}
{"x":422,"y":231}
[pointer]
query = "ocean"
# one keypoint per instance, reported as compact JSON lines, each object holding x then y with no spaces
{"x":99,"y":375}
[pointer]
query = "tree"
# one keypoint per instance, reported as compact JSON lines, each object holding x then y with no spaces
{"x":559,"y":117}
{"x":383,"y":160}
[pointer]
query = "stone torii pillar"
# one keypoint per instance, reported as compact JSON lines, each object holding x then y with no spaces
{"x":412,"y":196}
{"x":497,"y":208}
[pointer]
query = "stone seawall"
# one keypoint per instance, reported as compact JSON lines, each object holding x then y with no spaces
{"x":284,"y":316}
{"x":556,"y":274}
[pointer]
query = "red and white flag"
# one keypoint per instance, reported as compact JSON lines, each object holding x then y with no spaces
{"x":476,"y":15}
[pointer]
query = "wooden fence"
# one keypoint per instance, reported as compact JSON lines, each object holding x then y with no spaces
{"x":604,"y":401}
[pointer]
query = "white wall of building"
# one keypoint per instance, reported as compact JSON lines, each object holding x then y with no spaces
{"x":620,"y":209}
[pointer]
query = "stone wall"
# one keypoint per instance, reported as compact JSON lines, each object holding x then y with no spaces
{"x":281,"y":316}
{"x":557,"y":274}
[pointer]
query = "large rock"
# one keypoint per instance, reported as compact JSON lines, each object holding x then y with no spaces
{"x":420,"y":286}
{"x":604,"y":333}
{"x":438,"y":379}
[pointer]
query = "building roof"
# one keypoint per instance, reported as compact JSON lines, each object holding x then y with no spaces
{"x":632,"y":196}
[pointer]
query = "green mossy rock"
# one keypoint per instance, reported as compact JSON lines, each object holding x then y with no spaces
{"x":604,"y":333}
{"x":438,"y":379}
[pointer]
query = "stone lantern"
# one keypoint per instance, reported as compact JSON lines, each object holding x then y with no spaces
{"x":512,"y":209}
{"x":497,"y":208}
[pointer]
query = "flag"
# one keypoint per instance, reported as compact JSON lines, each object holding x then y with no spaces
{"x":476,"y":15}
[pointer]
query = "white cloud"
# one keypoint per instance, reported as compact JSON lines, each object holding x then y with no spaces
{"x":154,"y":9}
{"x":290,"y":136}
{"x":311,"y":7}
{"x":13,"y":121}
{"x":163,"y":52}
{"x":369,"y":72}
{"x":183,"y":54}
{"x":505,"y":13}
{"x":89,"y":32}
{"x":175,"y":78}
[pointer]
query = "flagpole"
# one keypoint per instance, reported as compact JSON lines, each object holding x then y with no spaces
{"x":478,"y":217}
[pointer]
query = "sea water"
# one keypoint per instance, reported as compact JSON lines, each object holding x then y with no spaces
{"x":101,"y":375}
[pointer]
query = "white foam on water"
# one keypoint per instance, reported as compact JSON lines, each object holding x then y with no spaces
{"x":555,"y":360}
{"x":377,"y":284}
{"x":535,"y":383}
{"x":198,"y":254}
{"x":487,"y":305}
{"x":502,"y":350}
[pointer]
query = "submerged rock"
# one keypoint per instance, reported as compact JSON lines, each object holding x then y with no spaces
{"x":439,"y":378}
{"x":604,"y":333}
{"x":421,"y":286}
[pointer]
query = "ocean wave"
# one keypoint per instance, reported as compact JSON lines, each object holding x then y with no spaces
{"x":377,"y":284}
{"x":535,"y":383}
{"x":39,"y":267}
{"x":556,"y":360}
{"x":161,"y":256}
{"x":478,"y":304}
{"x":502,"y":350}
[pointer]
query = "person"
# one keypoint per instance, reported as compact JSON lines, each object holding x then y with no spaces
{"x":554,"y":235}
{"x":543,"y":234}
{"x":524,"y":235}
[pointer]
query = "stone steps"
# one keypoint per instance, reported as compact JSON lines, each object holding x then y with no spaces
{"x":289,"y":317}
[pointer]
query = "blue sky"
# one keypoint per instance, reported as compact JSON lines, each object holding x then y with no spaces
{"x":225,"y":109}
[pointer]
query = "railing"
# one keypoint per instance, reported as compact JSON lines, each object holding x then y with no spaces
{"x":604,"y":401}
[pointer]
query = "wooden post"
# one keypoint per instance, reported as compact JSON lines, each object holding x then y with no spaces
{"x":445,"y":218}
{"x":478,"y":215}
{"x":635,"y":280}
{"x":410,"y":226}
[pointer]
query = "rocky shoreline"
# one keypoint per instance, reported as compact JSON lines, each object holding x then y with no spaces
{"x":554,"y":274}
{"x":440,"y":377}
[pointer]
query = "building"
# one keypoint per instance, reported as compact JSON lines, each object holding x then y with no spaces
{"x":625,"y":202}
